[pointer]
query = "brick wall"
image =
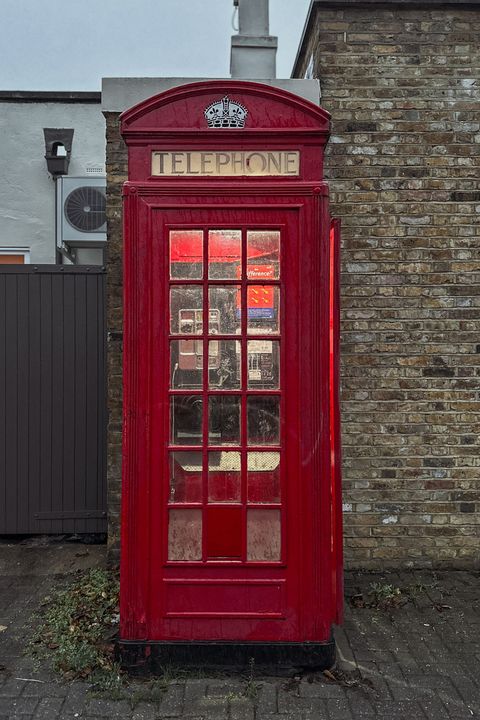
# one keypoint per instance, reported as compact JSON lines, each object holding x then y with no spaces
{"x":116,"y":166}
{"x":403,"y":87}
{"x":402,"y":84}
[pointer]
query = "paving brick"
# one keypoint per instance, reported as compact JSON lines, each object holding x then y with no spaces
{"x":468,"y":691}
{"x":17,"y":706}
{"x":457,"y":709}
{"x":208,"y":706}
{"x":433,"y":708}
{"x":411,"y":691}
{"x":360,"y":704}
{"x":197,"y":702}
{"x":109,"y":708}
{"x":222,"y":688}
{"x":76,"y":698}
{"x":145,"y":711}
{"x":298,"y":715}
{"x":338,"y":710}
{"x":48,"y":708}
{"x":21,"y":705}
{"x":267,"y":698}
{"x":172,"y":703}
{"x":11,"y":688}
{"x":293,"y":703}
{"x":321,"y":689}
{"x":241,"y":708}
{"x":401,"y":710}
{"x":42,"y":689}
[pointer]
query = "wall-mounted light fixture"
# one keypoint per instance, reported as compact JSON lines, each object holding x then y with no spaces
{"x":58,"y":148}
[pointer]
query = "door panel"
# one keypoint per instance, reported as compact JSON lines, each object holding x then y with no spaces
{"x":224,"y":433}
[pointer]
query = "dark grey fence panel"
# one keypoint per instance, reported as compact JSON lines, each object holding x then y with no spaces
{"x":52,"y":399}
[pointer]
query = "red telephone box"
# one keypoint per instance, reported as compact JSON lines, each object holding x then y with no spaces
{"x":231,"y":507}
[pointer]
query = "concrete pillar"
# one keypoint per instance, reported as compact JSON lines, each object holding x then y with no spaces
{"x":253,"y":52}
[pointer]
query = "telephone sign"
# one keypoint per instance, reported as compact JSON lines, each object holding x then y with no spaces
{"x":231,"y":505}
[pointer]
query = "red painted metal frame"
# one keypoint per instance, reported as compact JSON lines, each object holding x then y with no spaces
{"x":298,"y":599}
{"x":335,"y":429}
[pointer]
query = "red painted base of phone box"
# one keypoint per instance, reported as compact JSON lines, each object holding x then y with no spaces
{"x":231,"y":497}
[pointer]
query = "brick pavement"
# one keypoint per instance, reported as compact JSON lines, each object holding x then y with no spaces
{"x":419,"y":661}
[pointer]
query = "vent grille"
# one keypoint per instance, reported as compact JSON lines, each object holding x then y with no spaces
{"x":85,"y":209}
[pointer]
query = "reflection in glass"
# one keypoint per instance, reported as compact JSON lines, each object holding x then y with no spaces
{"x":224,"y":476}
{"x":263,"y":254}
{"x":224,"y":254}
{"x":263,"y":535}
{"x":186,"y":419}
{"x":224,"y":373}
{"x":185,"y":477}
{"x":186,"y":364}
{"x":186,"y":302}
{"x":263,"y":364}
{"x":263,"y":303}
{"x":224,"y":420}
{"x":186,"y":254}
{"x":226,"y":301}
{"x":263,"y":420}
{"x":185,"y":534}
{"x":263,"y":477}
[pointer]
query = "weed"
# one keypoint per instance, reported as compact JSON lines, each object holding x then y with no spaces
{"x":75,"y":629}
{"x":251,"y":688}
{"x":383,"y":596}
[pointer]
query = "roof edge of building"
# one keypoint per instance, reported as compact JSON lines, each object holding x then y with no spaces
{"x":52,"y":96}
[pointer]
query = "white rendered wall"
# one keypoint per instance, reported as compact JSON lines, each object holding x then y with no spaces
{"x":119,"y":94}
{"x":27,"y":190}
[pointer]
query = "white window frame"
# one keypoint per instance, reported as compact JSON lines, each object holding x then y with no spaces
{"x":17,"y":251}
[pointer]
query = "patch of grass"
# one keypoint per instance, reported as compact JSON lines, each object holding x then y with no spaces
{"x":76,"y":627}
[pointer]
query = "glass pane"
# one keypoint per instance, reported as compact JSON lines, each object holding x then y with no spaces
{"x":224,"y":420}
{"x":263,"y":254}
{"x":263,"y":309}
{"x":224,"y":254}
{"x":186,"y":361}
{"x":263,"y":364}
{"x":185,"y":534}
{"x":225,"y":301}
{"x":186,"y":302}
{"x":263,"y":420}
{"x":186,"y":420}
{"x":263,"y":535}
{"x":224,"y":364}
{"x":185,"y":477}
{"x":224,"y":477}
{"x":263,"y":478}
{"x":186,"y":254}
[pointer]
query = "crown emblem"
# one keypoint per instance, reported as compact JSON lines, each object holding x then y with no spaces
{"x":226,"y":113}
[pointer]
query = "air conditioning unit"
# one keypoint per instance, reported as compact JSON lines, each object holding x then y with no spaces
{"x":81,"y":212}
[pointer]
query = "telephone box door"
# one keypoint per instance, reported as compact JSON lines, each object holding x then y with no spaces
{"x":226,"y":342}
